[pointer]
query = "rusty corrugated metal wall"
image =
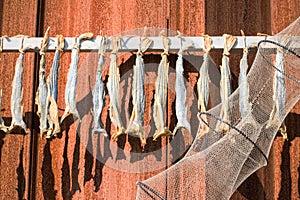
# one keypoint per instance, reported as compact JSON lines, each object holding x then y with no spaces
{"x":33,"y":168}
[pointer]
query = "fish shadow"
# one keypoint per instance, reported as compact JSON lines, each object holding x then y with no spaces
{"x":20,"y":176}
{"x":47,"y":174}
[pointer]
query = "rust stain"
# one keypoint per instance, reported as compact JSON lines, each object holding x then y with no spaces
{"x":79,"y":165}
{"x":14,"y":148}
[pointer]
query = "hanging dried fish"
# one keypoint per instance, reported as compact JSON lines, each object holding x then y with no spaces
{"x":160,"y":97}
{"x":136,"y":123}
{"x":41,"y":96}
{"x":279,"y":96}
{"x":70,"y":92}
{"x":225,"y":84}
{"x":17,"y":93}
{"x":180,"y":90}
{"x":98,"y":90}
{"x":114,"y":91}
{"x":203,"y":85}
{"x":52,"y":85}
{"x":244,"y":104}
{"x":2,"y":126}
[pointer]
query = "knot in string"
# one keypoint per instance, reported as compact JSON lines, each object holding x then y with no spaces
{"x":207,"y":43}
{"x":84,"y":36}
{"x":144,"y":45}
{"x":76,"y":44}
{"x":245,"y":49}
{"x":229,"y":41}
{"x":60,"y":43}
{"x":115,"y":44}
{"x":103,"y":45}
{"x":166,"y":43}
{"x":21,"y":50}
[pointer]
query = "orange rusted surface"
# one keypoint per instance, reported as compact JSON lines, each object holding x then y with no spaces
{"x":68,"y":166}
{"x":17,"y":17}
{"x":78,"y":165}
{"x":286,"y":154}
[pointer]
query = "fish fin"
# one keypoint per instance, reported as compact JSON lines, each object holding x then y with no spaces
{"x":66,"y":114}
{"x":100,"y":130}
{"x":137,"y":130}
{"x":184,"y":125}
{"x":117,"y":133}
{"x":162,"y":133}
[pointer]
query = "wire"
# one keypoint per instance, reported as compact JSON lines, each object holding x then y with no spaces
{"x":143,"y":186}
{"x":233,"y":127}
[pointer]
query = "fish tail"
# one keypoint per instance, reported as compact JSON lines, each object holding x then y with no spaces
{"x":100,"y":130}
{"x":185,"y":124}
{"x":66,"y":114}
{"x":160,"y":133}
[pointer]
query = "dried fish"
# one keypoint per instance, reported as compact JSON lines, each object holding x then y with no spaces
{"x":244,"y":104}
{"x":2,"y":126}
{"x":98,"y":91}
{"x":17,"y":94}
{"x":52,"y":85}
{"x":136,"y":123}
{"x":203,"y":85}
{"x":225,"y":84}
{"x":42,"y":93}
{"x":114,"y":91}
{"x":279,"y":96}
{"x":180,"y":102}
{"x":70,"y":92}
{"x":160,"y":97}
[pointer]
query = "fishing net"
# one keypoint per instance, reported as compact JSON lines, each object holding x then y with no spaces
{"x":218,"y":163}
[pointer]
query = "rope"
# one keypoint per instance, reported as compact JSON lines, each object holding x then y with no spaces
{"x":115,"y":44}
{"x":207,"y":43}
{"x":166,"y":43}
{"x":228,"y":44}
{"x":60,"y":43}
{"x":103,"y":45}
{"x":245,"y":49}
{"x":21,"y":50}
{"x":84,"y":36}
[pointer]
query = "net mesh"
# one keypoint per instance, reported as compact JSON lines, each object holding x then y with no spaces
{"x":218,"y":163}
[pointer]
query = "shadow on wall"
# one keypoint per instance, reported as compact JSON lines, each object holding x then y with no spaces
{"x":21,"y":176}
{"x":151,"y":146}
{"x":101,"y":158}
{"x":65,"y":178}
{"x":285,"y":167}
{"x":67,"y":191}
{"x":2,"y":136}
{"x":252,"y":188}
{"x":47,"y":174}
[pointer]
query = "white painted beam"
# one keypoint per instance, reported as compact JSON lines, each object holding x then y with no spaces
{"x":131,"y":43}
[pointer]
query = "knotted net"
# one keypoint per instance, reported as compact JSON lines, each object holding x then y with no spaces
{"x":218,"y":163}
